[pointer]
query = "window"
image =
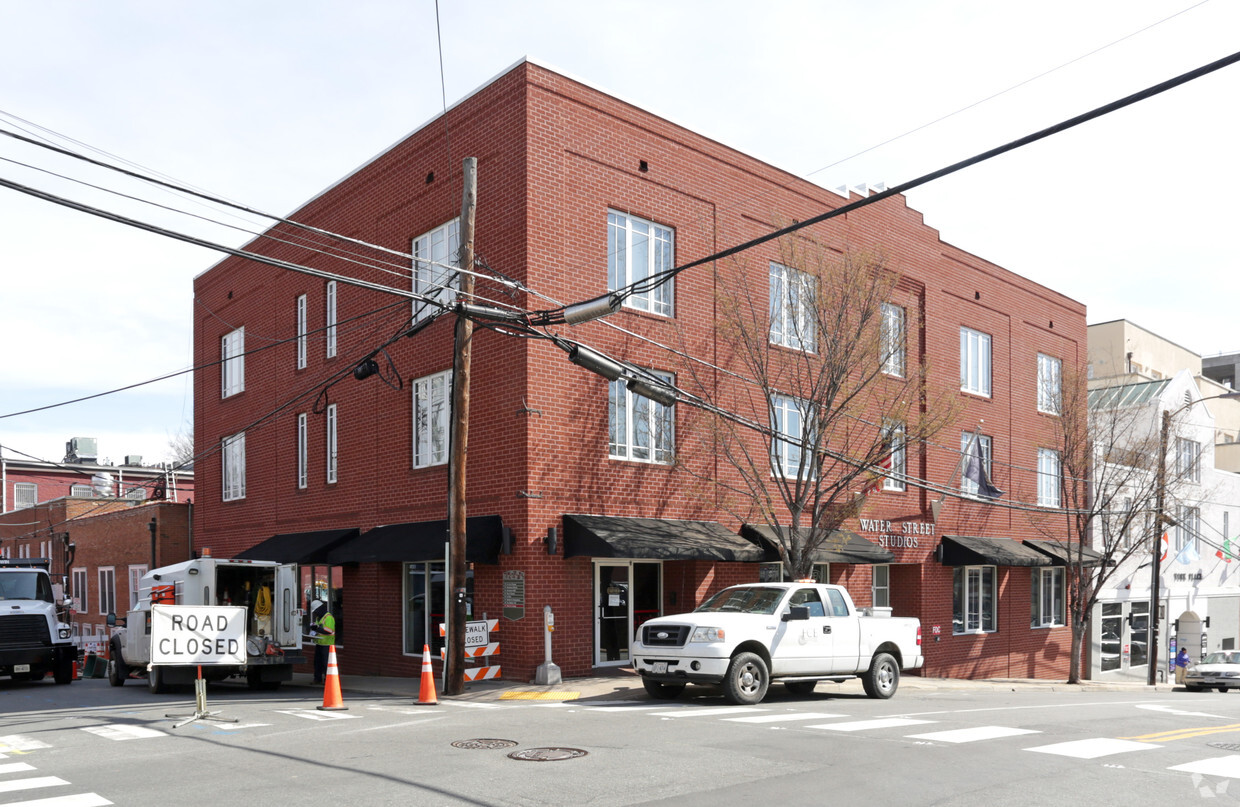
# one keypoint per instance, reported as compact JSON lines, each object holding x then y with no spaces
{"x":639,"y":428}
{"x":232,"y":363}
{"x":81,"y":491}
{"x":107,"y":590}
{"x":25,"y":494}
{"x":881,"y":586}
{"x":1046,"y":605}
{"x":774,"y":573}
{"x":636,"y":250}
{"x":79,"y":590}
{"x":1139,"y":633}
{"x":973,"y":599}
{"x":301,"y":332}
{"x":136,"y":493}
{"x":436,"y":259}
{"x":234,"y":467}
{"x":974,"y":362}
{"x":1049,"y":477}
{"x":967,"y":483}
{"x":1188,"y":528}
{"x":892,"y":339}
{"x":794,"y":321}
{"x":135,"y":581}
{"x":331,"y":319}
{"x":788,"y":421}
{"x":893,"y":436}
{"x":331,"y":443}
{"x":1188,"y":459}
{"x":431,"y":407}
{"x":1050,"y":378}
{"x":303,"y":474}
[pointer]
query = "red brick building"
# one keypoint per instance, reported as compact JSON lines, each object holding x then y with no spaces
{"x":581,"y":495}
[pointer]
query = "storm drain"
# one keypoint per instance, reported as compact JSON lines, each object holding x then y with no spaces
{"x":546,"y":754}
{"x":484,"y":744}
{"x":1225,"y":746}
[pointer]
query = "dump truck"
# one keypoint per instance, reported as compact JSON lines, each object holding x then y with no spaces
{"x":36,"y":637}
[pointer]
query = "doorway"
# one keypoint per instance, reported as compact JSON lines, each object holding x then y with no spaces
{"x":626,"y":594}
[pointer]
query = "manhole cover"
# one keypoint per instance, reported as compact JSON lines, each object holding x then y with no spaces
{"x":1225,"y":746}
{"x":485,"y":744}
{"x":546,"y":754}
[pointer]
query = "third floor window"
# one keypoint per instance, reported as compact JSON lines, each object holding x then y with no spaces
{"x":637,"y":250}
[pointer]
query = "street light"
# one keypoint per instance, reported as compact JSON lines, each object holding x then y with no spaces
{"x":1161,"y":518}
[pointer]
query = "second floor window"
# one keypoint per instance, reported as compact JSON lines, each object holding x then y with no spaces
{"x":436,"y":259}
{"x":301,"y":332}
{"x":431,"y":406}
{"x":793,"y":308}
{"x":1050,"y":379}
{"x":893,"y":439}
{"x":107,"y":590}
{"x":792,"y":429}
{"x":975,"y":362}
{"x":1188,"y":459}
{"x":982,"y":450}
{"x":331,"y":443}
{"x":892,"y":339}
{"x":232,"y":363}
{"x":135,"y":579}
{"x":637,"y":250}
{"x":1187,"y":528}
{"x":639,"y":428}
{"x":303,"y":474}
{"x":234,"y":467}
{"x":1050,"y":477}
{"x":25,"y":494}
{"x":79,"y":590}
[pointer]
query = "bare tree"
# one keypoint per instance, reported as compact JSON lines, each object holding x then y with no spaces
{"x":181,"y":446}
{"x":1109,"y":453}
{"x":826,"y":400}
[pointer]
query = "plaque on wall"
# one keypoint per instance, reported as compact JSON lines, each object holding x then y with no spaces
{"x":514,"y":594}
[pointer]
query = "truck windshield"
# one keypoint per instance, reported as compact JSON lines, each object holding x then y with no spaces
{"x":24,"y":586}
{"x":753,"y":600}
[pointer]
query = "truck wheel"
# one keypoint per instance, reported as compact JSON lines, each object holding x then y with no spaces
{"x":155,"y":681}
{"x":254,"y":680}
{"x":64,"y":669}
{"x":664,"y":692}
{"x":118,"y":670}
{"x":800,"y":687}
{"x":881,"y":680}
{"x":746,"y":679}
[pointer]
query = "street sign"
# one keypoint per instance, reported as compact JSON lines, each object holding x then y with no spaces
{"x":197,"y":634}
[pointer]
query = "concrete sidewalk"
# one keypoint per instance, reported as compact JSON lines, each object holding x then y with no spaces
{"x":621,"y":683}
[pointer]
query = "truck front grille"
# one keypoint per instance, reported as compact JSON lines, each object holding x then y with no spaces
{"x":665,"y":635}
{"x":24,"y":630}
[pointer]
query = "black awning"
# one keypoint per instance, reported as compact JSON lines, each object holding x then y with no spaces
{"x":1064,"y":553}
{"x":840,"y":546}
{"x":967,"y":550}
{"x":299,"y":547}
{"x":659,"y":538}
{"x":422,"y":541}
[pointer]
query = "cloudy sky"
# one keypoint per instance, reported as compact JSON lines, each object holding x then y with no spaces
{"x":268,"y":103}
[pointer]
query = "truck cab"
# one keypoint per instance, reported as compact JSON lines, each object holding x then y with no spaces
{"x":35,"y":635}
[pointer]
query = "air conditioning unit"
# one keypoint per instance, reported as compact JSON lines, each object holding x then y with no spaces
{"x":134,"y":460}
{"x":82,"y":449}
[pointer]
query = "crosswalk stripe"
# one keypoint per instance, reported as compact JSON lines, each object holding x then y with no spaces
{"x":1093,"y":748}
{"x":18,"y":742}
{"x":316,"y":715}
{"x":76,"y":800}
{"x":866,"y":725}
{"x":123,"y":731}
{"x":972,"y":734}
{"x":706,"y":711}
{"x":31,"y":784}
{"x":1228,"y":766}
{"x":784,"y":717}
{"x":13,"y":767}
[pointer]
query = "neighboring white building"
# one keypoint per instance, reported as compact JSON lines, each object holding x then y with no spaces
{"x":1200,"y":564}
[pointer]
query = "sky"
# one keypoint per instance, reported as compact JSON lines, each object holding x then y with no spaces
{"x":267,"y":104}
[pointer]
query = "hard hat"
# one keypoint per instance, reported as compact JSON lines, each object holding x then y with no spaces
{"x":315,"y":605}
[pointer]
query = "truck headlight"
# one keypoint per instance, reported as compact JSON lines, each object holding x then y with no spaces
{"x":707,"y":635}
{"x":65,"y":633}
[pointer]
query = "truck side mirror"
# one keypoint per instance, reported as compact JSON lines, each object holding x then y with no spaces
{"x":111,"y":619}
{"x":795,"y":612}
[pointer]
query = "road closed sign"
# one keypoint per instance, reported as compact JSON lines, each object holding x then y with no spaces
{"x":197,"y":634}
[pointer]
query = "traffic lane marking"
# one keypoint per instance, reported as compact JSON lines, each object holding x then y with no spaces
{"x":783,"y":717}
{"x":1158,"y":707}
{"x":866,"y":725}
{"x":123,"y":731}
{"x":1185,"y":733}
{"x":706,"y":711}
{"x":972,"y":734}
{"x":1228,"y":766}
{"x":1092,"y":748}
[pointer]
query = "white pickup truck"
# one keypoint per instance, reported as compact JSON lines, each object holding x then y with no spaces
{"x":746,"y":636}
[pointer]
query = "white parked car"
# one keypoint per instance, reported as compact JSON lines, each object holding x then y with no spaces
{"x":1219,"y":671}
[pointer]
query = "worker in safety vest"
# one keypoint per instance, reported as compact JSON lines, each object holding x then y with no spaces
{"x":323,"y":631}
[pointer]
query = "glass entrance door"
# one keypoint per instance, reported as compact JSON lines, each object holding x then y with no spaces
{"x":626,"y":593}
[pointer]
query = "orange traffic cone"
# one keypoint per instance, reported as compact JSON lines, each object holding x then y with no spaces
{"x":331,"y":686}
{"x":427,"y":697}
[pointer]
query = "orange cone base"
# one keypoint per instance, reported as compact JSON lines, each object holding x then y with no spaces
{"x":426,"y":693}
{"x":332,"y":702}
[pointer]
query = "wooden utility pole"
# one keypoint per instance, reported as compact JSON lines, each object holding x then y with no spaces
{"x":454,"y":665}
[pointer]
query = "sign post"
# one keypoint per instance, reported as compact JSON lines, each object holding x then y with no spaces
{"x":195,"y":635}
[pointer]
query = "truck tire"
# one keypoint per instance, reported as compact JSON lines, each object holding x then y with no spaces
{"x":155,"y":681}
{"x":63,"y":673}
{"x":746,"y":679}
{"x":118,"y":670}
{"x":800,"y":687}
{"x":881,"y":680}
{"x":254,"y":680}
{"x":664,"y":692}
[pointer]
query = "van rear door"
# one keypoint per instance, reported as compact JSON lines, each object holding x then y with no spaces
{"x":287,"y":623}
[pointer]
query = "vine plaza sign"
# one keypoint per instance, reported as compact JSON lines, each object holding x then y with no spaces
{"x":901,"y":535}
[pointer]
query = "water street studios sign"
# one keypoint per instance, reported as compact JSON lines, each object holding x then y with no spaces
{"x":901,"y":535}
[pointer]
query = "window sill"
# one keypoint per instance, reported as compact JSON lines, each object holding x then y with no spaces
{"x":981,"y":396}
{"x":976,"y":632}
{"x":1048,"y":627}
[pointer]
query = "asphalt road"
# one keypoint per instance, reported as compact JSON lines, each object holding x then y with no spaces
{"x":90,"y":744}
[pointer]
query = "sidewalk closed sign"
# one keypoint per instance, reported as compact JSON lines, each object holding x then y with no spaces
{"x":197,"y":634}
